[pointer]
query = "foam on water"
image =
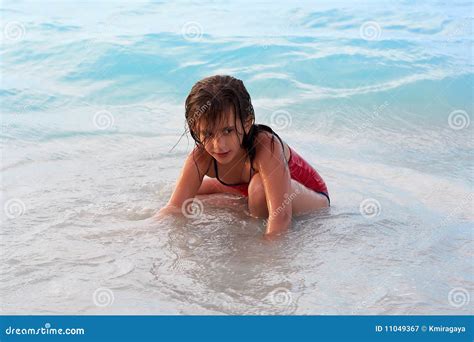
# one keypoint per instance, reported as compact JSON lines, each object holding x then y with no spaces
{"x":93,"y":103}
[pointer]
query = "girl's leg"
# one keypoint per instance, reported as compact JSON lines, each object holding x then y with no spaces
{"x":212,"y":186}
{"x":304,"y":200}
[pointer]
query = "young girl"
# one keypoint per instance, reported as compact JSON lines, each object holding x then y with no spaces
{"x":239,"y":157}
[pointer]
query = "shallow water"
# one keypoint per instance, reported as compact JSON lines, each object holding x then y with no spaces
{"x":92,"y":103}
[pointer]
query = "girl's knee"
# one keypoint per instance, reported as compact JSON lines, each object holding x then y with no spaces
{"x":257,"y":201}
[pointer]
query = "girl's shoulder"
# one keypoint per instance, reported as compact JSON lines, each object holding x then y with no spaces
{"x":266,"y":144}
{"x":263,"y":138}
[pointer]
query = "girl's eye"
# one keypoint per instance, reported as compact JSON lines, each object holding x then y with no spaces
{"x":228,"y":130}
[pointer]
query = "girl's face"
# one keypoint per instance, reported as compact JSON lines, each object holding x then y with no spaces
{"x":225,"y":143}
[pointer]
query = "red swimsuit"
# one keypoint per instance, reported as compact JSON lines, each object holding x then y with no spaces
{"x":300,"y":170}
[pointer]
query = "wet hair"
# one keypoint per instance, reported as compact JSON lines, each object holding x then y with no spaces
{"x":209,"y":102}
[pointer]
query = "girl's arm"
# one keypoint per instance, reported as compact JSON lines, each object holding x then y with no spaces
{"x":188,"y":182}
{"x":277,"y":184}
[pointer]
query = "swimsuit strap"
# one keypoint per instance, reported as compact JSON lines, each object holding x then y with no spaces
{"x":270,"y":130}
{"x":251,"y":169}
{"x":217,"y":175}
{"x":208,"y":167}
{"x":283,"y":148}
{"x":251,"y":163}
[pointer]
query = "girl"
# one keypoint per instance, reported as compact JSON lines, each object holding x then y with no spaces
{"x":240,"y":157}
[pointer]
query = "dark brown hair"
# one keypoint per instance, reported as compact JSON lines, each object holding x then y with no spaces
{"x":211,"y":98}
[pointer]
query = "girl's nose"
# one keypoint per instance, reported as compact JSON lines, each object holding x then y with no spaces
{"x":218,"y":143}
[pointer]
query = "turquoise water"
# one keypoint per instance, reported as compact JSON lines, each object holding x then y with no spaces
{"x":378,"y":96}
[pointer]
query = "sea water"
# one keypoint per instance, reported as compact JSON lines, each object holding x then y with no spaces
{"x":377,"y":96}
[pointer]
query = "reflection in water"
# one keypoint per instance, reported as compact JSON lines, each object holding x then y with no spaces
{"x":92,"y":104}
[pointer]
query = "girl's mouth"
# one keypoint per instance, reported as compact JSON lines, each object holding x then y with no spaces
{"x":222,"y":154}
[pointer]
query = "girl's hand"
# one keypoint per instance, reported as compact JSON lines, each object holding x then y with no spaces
{"x":188,"y":183}
{"x":166,"y":210}
{"x":277,"y":226}
{"x":274,"y":231}
{"x":271,"y":236}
